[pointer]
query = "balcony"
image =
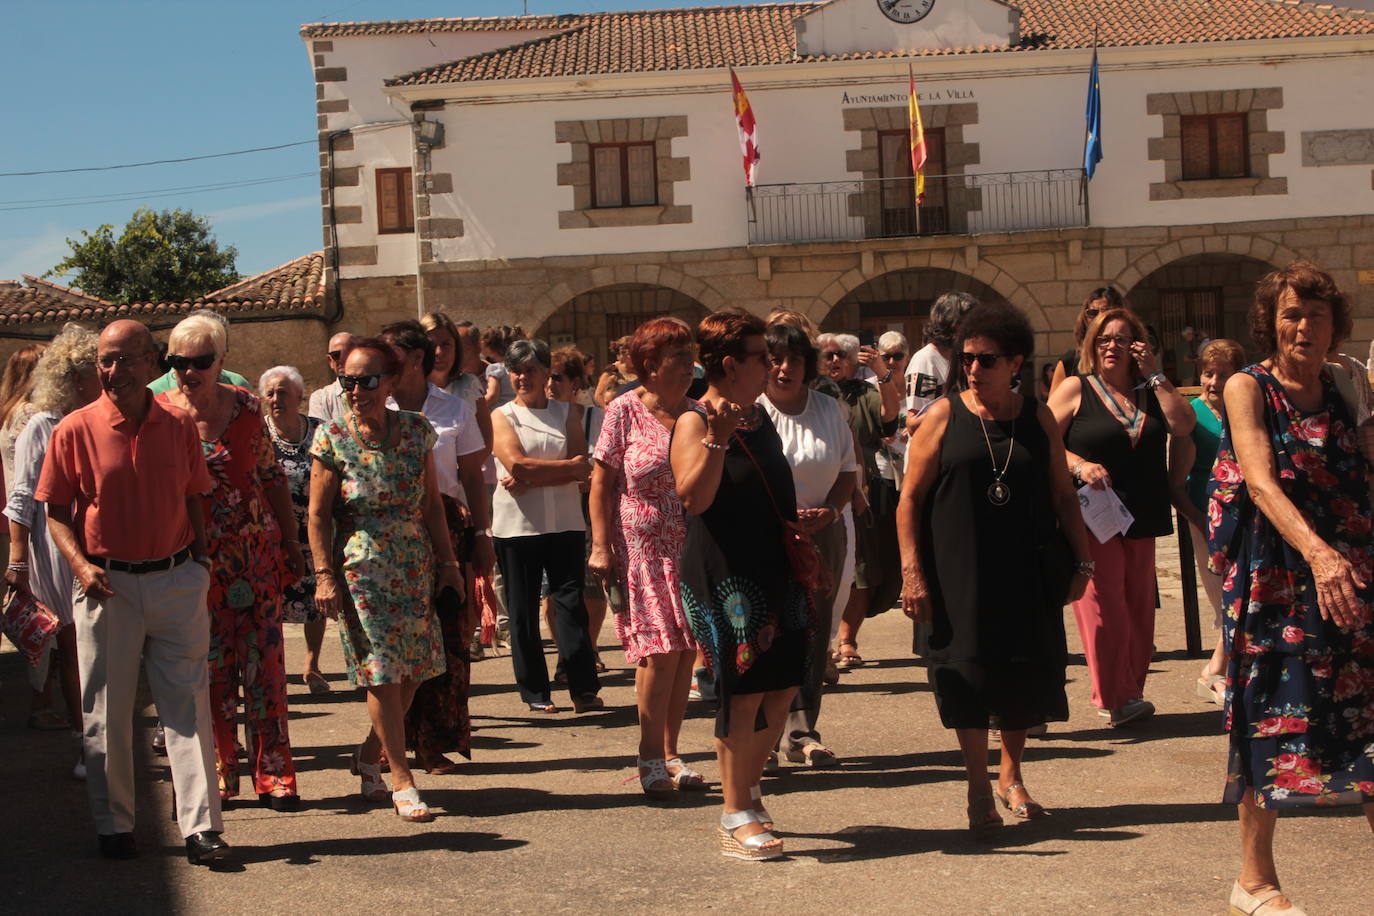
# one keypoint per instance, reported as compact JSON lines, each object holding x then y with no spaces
{"x":835,"y":211}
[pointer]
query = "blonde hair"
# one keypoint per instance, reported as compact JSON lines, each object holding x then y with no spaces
{"x":70,"y":353}
{"x":200,"y":328}
{"x":1222,"y":350}
{"x":1088,"y":358}
{"x":795,"y":319}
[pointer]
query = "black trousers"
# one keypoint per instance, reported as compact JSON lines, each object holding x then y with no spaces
{"x":524,"y":562}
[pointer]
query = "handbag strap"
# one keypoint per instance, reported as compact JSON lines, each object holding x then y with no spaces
{"x":762,"y":476}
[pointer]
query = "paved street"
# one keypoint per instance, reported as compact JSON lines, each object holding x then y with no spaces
{"x":544,"y":820}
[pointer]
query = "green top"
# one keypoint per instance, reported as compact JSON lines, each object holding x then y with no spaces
{"x":1206,"y":439}
{"x":169,"y":381}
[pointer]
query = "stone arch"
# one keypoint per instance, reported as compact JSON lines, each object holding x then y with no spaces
{"x":593,"y":318}
{"x":578,"y":282}
{"x":954,"y":261}
{"x":1250,"y":246}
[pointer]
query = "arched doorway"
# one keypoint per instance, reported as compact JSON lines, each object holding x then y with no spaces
{"x":901,"y":301}
{"x":1211,"y":293}
{"x":593,"y":319}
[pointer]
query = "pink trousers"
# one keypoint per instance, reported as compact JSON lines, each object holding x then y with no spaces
{"x":1116,"y":619}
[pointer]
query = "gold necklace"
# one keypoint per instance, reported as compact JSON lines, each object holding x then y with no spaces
{"x":999,"y":493}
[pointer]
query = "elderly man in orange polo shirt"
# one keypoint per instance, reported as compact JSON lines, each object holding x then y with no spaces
{"x":122,"y":480}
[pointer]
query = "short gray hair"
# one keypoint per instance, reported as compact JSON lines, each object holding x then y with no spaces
{"x":892,"y":339}
{"x":290,"y":373}
{"x":527,"y":349}
{"x":846,"y":342}
{"x":945,"y":316}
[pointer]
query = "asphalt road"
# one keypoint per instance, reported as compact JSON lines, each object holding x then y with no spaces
{"x":548,"y":817}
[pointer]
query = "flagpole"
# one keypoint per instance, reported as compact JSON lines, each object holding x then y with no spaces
{"x":911,"y":88}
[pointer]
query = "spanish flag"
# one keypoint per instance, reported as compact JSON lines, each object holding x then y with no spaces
{"x":918,"y":139}
{"x":748,"y":131}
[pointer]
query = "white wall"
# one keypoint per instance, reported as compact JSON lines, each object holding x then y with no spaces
{"x":846,"y":26}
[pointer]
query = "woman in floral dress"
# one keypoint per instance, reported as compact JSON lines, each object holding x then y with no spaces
{"x":637,"y":535}
{"x":1289,"y":529}
{"x":377,"y":531}
{"x":251,"y":536}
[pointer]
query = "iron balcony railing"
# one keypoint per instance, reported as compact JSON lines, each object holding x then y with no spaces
{"x":870,"y":208}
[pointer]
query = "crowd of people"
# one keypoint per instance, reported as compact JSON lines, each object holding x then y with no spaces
{"x":739,"y":497}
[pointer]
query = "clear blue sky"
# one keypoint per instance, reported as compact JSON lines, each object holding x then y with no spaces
{"x":91,"y":83}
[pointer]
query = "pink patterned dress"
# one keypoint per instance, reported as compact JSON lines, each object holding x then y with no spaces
{"x":648,"y":530}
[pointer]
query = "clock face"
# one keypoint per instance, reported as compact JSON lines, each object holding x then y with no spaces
{"x":906,"y":10}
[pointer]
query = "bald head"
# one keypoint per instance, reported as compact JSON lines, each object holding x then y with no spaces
{"x":128,"y":336}
{"x":126,"y":361}
{"x":338,"y":346}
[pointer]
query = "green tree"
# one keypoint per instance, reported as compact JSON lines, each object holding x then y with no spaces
{"x":167,"y":256}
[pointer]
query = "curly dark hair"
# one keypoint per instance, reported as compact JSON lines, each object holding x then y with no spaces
{"x":788,"y":338}
{"x":1003,"y":324}
{"x":410,"y":336}
{"x":721,"y":334}
{"x":1308,"y":281}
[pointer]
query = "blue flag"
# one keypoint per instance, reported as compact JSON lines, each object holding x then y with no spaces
{"x":1092,"y":147}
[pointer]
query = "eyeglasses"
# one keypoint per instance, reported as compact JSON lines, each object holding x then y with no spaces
{"x":335,"y":355}
{"x":1124,"y":343}
{"x":109,"y":362}
{"x":897,"y":355}
{"x":365,"y":382}
{"x":985,"y":360}
{"x":1092,"y":313}
{"x":182,"y":363}
{"x":834,"y":354}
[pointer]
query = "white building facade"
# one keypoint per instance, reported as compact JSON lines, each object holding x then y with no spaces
{"x":579,"y":174}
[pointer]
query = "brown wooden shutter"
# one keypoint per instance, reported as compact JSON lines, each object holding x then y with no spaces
{"x":643,"y":180}
{"x":606,"y":176}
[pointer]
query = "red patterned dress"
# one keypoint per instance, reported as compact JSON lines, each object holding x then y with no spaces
{"x":247,"y":575}
{"x":648,"y":532}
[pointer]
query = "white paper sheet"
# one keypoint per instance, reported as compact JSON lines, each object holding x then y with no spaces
{"x":1104,"y":513}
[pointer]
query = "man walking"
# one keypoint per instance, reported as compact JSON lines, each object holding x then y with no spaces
{"x":327,"y":403}
{"x":122,"y":480}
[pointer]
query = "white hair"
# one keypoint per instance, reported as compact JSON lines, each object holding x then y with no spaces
{"x":290,"y":373}
{"x":200,"y":327}
{"x":891,"y":340}
{"x":846,"y":342}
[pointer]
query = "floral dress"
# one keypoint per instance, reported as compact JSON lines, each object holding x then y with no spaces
{"x":298,"y":599}
{"x":648,"y":531}
{"x":1300,"y":692}
{"x":388,"y":629}
{"x":247,"y":574}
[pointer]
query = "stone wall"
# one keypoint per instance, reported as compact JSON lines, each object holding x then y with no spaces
{"x":1046,"y":273}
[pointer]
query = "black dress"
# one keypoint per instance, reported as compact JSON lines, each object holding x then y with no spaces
{"x":997,"y":644}
{"x":748,"y":613}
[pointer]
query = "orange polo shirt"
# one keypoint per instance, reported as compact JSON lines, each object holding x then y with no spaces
{"x":128,"y":486}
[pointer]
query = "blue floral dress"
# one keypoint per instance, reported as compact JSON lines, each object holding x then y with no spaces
{"x":1300,"y":692}
{"x":388,"y":630}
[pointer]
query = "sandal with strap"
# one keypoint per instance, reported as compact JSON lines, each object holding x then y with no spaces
{"x":316,"y":683}
{"x":650,"y":781}
{"x":816,"y":756}
{"x":685,"y":779}
{"x":1028,"y":810}
{"x":766,"y":819}
{"x":851,"y":659}
{"x":757,"y":848}
{"x":410,"y":807}
{"x":1243,"y":903}
{"x":373,"y":787}
{"x":983,"y":819}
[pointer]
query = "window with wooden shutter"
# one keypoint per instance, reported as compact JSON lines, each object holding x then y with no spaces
{"x":1214,"y":146}
{"x":395,"y":201}
{"x":624,"y":175}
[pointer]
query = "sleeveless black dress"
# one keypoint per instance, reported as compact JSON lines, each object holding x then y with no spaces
{"x":997,"y":644}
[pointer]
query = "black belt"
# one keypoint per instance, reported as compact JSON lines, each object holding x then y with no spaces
{"x":147,"y":566}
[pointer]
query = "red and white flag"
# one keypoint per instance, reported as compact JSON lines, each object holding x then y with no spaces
{"x":748,"y":131}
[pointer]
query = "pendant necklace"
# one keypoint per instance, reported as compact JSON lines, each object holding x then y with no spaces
{"x":999,"y":493}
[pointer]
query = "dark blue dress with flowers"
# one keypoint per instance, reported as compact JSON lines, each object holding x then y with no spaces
{"x":746,"y":611}
{"x":1300,"y":692}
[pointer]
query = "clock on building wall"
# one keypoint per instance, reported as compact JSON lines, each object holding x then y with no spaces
{"x":906,"y":10}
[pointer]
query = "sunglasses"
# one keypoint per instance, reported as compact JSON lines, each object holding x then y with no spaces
{"x":334,"y":355}
{"x":365,"y":382}
{"x":1092,"y":313}
{"x":985,"y":360}
{"x":182,"y":363}
{"x":834,"y":354}
{"x":897,"y":355}
{"x":1123,"y":342}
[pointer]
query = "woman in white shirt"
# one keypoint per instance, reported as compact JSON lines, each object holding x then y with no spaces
{"x":819,"y":445}
{"x":537,"y":526}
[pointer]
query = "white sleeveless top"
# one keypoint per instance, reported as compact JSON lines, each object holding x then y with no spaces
{"x":543,"y":435}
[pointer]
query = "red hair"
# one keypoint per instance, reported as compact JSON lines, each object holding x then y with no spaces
{"x":655,"y":336}
{"x":390,"y":354}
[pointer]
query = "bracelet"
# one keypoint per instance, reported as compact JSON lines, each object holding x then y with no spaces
{"x":325,"y":571}
{"x":713,"y":446}
{"x":454,"y":563}
{"x":18,"y":567}
{"x":1154,"y":381}
{"x":1086,"y":568}
{"x":1073,"y":471}
{"x":886,"y":378}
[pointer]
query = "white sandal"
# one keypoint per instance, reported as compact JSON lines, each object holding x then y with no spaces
{"x":657,"y":772}
{"x":685,"y":779}
{"x":410,"y":807}
{"x":752,"y":848}
{"x":756,"y":794}
{"x":1243,"y":903}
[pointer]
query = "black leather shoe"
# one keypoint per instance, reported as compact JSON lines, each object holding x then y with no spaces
{"x":204,"y":847}
{"x":279,"y":802}
{"x":118,"y":846}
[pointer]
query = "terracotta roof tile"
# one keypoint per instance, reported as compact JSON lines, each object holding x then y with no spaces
{"x":714,"y":37}
{"x":295,"y":285}
{"x":454,"y":24}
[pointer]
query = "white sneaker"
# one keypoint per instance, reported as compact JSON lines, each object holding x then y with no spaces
{"x":79,"y":771}
{"x":1132,"y":711}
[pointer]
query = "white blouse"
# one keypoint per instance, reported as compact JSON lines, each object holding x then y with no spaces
{"x":543,"y":435}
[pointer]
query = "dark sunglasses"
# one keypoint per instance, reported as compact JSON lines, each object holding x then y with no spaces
{"x":1091,"y":313}
{"x":365,"y":382}
{"x":897,"y":355}
{"x":181,"y":363}
{"x":834,"y":354}
{"x":334,"y":355}
{"x":986,"y":360}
